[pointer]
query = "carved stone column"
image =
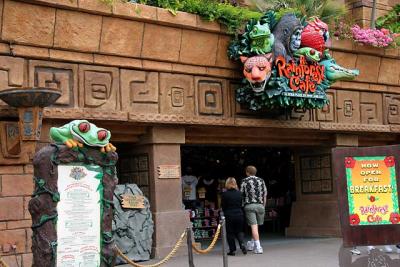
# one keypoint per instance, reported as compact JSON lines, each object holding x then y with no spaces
{"x":162,"y":144}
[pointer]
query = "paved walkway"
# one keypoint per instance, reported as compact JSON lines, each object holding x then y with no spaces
{"x":278,"y":252}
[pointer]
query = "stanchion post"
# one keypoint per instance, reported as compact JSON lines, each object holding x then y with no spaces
{"x":223,"y":239}
{"x":189,"y":245}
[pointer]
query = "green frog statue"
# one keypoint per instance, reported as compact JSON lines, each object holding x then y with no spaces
{"x":80,"y":132}
{"x":261,"y":39}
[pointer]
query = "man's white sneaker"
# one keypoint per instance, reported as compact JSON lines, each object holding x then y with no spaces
{"x":355,"y":251}
{"x":388,"y":249}
{"x":258,"y":250}
{"x":370,"y":248}
{"x":250,"y":245}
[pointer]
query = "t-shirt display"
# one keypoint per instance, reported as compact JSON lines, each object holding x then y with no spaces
{"x":211,"y":188}
{"x":189,"y":183}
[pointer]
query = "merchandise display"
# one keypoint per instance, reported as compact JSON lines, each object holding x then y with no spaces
{"x":204,"y":221}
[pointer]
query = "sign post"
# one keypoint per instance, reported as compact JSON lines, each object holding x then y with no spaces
{"x":71,"y":207}
{"x":368,"y":183}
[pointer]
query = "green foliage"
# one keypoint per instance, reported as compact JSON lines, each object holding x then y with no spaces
{"x":240,"y":45}
{"x":326,"y":10}
{"x":231,"y":16}
{"x":390,"y":21}
{"x":108,"y":2}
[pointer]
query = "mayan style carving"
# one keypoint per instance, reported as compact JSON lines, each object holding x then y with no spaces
{"x":140,"y":91}
{"x":301,"y":114}
{"x":176,"y":93}
{"x":210,"y":96}
{"x":10,"y":141}
{"x":11,"y":72}
{"x":347,"y":106}
{"x":392,"y":109}
{"x":99,"y":87}
{"x":57,"y":75}
{"x":327,"y":113}
{"x":301,"y":71}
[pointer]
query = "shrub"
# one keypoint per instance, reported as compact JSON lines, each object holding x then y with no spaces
{"x":224,"y":12}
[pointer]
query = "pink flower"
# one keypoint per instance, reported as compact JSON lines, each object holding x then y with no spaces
{"x":385,"y":31}
{"x":374,"y":37}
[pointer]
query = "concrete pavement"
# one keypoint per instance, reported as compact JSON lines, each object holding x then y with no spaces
{"x":278,"y":252}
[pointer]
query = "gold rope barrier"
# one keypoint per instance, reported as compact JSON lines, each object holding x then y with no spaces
{"x":173,"y":251}
{"x":211,"y":246}
{"x":2,"y":263}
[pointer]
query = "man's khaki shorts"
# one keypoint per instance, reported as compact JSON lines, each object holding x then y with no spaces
{"x":254,"y":214}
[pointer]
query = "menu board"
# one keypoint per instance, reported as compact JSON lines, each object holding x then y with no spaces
{"x":78,"y":224}
{"x":372,"y":190}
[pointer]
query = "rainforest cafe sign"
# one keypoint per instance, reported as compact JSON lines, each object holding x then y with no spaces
{"x":304,"y":76}
{"x":285,"y":63}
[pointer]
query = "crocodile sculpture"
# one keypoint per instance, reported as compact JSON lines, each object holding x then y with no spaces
{"x":335,"y":72}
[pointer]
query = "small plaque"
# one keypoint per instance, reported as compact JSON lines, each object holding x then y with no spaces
{"x":132,"y":202}
{"x":169,"y":171}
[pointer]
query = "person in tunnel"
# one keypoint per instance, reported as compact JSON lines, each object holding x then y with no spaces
{"x":231,"y":202}
{"x":254,"y":200}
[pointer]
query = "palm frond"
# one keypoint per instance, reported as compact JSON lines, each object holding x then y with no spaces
{"x":326,"y":10}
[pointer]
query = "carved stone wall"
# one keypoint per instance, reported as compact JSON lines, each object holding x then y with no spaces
{"x":112,"y":68}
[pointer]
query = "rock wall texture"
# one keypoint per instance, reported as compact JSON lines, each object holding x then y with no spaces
{"x":133,"y":228}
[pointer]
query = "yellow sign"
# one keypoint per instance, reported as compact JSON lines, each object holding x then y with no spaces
{"x":132,"y":202}
{"x":202,"y":192}
{"x":372,"y":190}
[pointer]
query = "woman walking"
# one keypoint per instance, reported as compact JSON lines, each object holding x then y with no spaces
{"x":231,"y":202}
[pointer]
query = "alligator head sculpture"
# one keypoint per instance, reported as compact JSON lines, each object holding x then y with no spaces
{"x":335,"y":72}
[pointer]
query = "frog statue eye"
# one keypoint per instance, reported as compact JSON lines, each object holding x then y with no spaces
{"x":101,"y":135}
{"x":84,"y":127}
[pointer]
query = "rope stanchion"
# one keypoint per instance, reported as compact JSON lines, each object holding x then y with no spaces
{"x":223,"y":235}
{"x":211,"y":246}
{"x":168,"y":257}
{"x":189,"y":246}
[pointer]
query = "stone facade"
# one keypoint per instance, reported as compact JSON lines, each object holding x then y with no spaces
{"x":362,"y":9}
{"x":140,"y":70}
